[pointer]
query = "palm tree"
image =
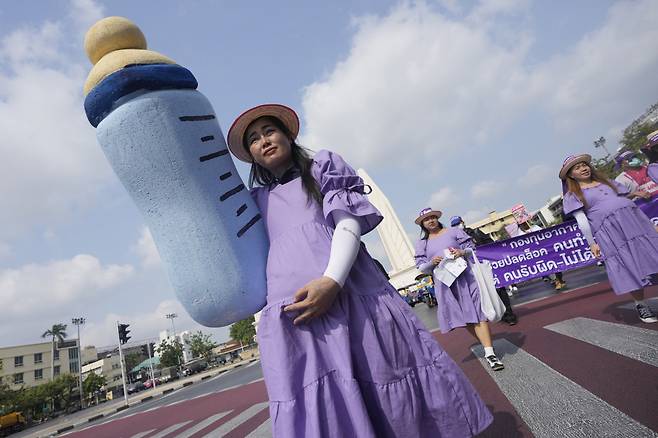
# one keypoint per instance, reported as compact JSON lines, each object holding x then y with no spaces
{"x":57,"y":331}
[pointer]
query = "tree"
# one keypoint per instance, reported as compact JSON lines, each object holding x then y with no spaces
{"x":132,"y":360}
{"x":171,"y":352}
{"x":244,"y":331}
{"x":93,"y":384}
{"x":202,"y":345}
{"x":57,"y":331}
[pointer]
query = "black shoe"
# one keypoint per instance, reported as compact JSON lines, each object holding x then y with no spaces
{"x":494,"y":363}
{"x":645,"y":313}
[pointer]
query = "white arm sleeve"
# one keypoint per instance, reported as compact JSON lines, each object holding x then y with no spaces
{"x":583,"y":224}
{"x":344,"y":246}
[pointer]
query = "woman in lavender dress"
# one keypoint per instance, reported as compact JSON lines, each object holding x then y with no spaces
{"x":616,"y":229}
{"x":458,"y":304}
{"x":342,"y":354}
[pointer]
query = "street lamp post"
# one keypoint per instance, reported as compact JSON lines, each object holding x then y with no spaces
{"x":78,"y":322}
{"x":171,"y":316}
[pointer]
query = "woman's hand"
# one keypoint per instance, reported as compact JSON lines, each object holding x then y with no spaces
{"x":436,"y":260}
{"x":641,"y":194}
{"x":456,"y":252}
{"x":314,"y":299}
{"x":596,"y":250}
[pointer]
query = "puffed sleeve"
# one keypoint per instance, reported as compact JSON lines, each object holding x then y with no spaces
{"x":343,"y":189}
{"x":571,"y":203}
{"x":465,"y":241}
{"x":420,"y":250}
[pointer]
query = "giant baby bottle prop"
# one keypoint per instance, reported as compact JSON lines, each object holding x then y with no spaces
{"x":164,"y":143}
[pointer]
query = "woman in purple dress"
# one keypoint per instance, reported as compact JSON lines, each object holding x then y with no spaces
{"x":459,"y":303}
{"x":615,"y":228}
{"x":342,"y":354}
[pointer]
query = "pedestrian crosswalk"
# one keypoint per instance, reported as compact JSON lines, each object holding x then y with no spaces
{"x":634,"y":342}
{"x":553,"y":405}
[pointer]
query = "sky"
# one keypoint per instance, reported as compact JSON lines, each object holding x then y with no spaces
{"x":465,"y":106}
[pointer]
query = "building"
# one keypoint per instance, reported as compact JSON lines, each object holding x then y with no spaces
{"x":30,"y":365}
{"x":494,"y":224}
{"x":548,"y":213}
{"x":110,"y":368}
{"x":183,"y":338}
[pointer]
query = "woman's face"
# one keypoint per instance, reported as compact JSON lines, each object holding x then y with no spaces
{"x":269,"y":145}
{"x":581,"y":172}
{"x":431,"y":223}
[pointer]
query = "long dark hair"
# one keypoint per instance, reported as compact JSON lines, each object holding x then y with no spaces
{"x":301,"y":159}
{"x":574,"y":186}
{"x":424,"y":234}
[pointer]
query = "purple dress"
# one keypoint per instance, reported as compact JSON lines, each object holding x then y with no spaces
{"x":459,"y":304}
{"x":628,"y":239}
{"x":368,"y":367}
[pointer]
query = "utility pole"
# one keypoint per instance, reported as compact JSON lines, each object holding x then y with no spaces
{"x":78,"y":322}
{"x":148,"y":349}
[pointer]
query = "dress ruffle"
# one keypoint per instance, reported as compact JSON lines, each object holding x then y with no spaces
{"x":629,"y":243}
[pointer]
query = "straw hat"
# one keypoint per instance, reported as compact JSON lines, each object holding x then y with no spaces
{"x":572,"y":161}
{"x":425,"y":213}
{"x":236,"y":133}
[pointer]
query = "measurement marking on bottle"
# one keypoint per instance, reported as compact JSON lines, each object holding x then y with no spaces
{"x":207,"y":138}
{"x":196,"y":118}
{"x":231,"y":192}
{"x":213,"y":155}
{"x":224,"y":176}
{"x":248,"y":225}
{"x":241,"y":210}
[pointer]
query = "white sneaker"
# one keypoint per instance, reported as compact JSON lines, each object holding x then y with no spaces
{"x":494,"y":362}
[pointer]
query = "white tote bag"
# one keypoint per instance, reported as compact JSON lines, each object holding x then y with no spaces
{"x":492,"y":306}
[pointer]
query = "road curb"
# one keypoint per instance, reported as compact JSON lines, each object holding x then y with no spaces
{"x":150,"y":397}
{"x":95,"y":417}
{"x":64,"y":429}
{"x":169,"y":390}
{"x":187,"y":384}
{"x":121,"y":408}
{"x":206,"y":377}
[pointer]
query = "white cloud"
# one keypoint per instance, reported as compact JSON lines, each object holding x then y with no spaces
{"x":609,"y":73}
{"x":418,"y":81}
{"x":51,"y":162}
{"x":443,"y":199}
{"x":39,"y":289}
{"x":147,"y":250}
{"x":537,"y":174}
{"x":84,"y":13}
{"x":488,"y":188}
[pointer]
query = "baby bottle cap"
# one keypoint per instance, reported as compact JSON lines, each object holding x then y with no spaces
{"x":110,"y":34}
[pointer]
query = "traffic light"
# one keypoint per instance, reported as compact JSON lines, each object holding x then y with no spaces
{"x":145,"y":350}
{"x":123,"y":333}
